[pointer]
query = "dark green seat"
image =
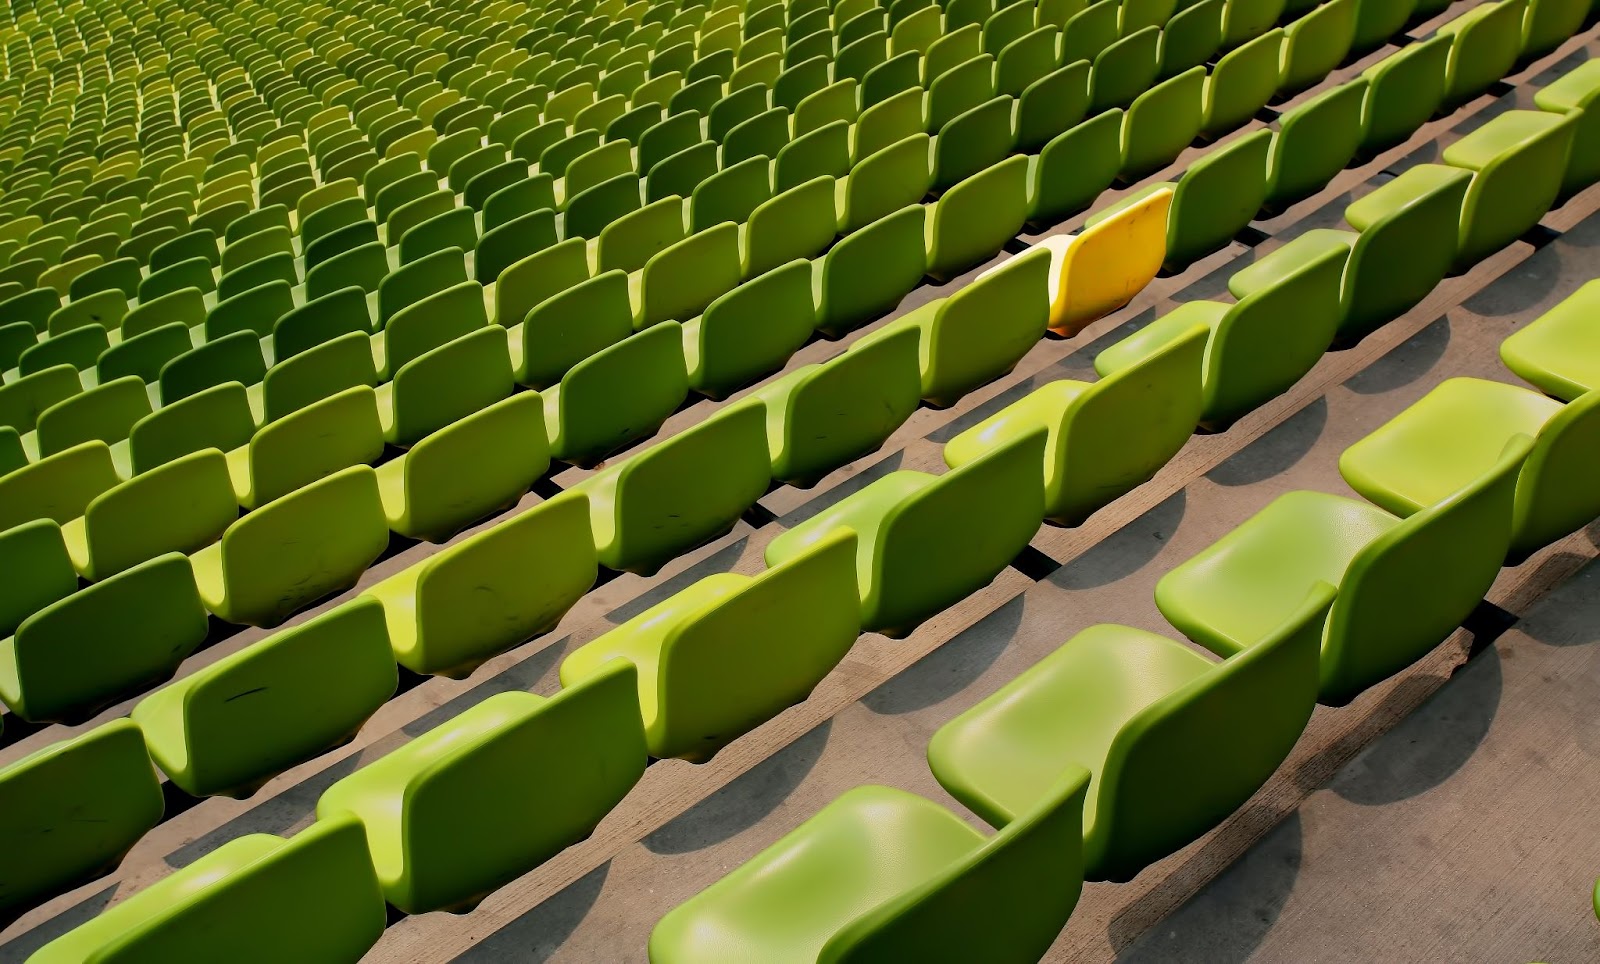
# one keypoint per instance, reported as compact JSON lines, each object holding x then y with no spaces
{"x":619,"y":394}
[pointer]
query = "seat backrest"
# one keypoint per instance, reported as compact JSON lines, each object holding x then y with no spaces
{"x":953,"y":536}
{"x":1030,"y":874}
{"x":630,"y":241}
{"x":870,"y":270}
{"x":410,"y":283}
{"x":506,"y":445}
{"x":78,"y":347}
{"x":1406,"y":89}
{"x":320,"y":320}
{"x":290,"y":714}
{"x":678,"y":282}
{"x":425,"y":325}
{"x":1315,"y":141}
{"x":218,"y":417}
{"x":525,"y":283}
{"x":104,"y":308}
{"x":1217,"y":197}
{"x":103,"y":782}
{"x":35,"y":555}
{"x":57,"y":487}
{"x":619,"y":394}
{"x":886,"y":181}
{"x":1161,"y":788}
{"x":106,"y":412}
{"x":1556,"y":491}
{"x":985,"y":328}
{"x":336,"y":432}
{"x":806,"y":614}
{"x":1274,"y":336}
{"x":686,"y":489}
{"x":448,"y":383}
{"x":752,"y":330}
{"x":1403,"y":255}
{"x":796,"y":223}
{"x":1408,"y":589}
{"x":92,"y":647}
{"x":254,"y":311}
{"x":573,"y":324}
{"x":178,"y":506}
{"x":1123,"y":429}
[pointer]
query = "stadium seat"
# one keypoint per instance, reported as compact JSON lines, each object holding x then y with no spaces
{"x":1559,"y":352}
{"x":751,"y":331}
{"x":1404,"y":90}
{"x":227,"y":728}
{"x":1104,"y":266}
{"x":1519,"y":160}
{"x":621,"y":393}
{"x":179,"y":506}
{"x":299,"y":448}
{"x":1572,"y":91}
{"x":1315,"y":141}
{"x":495,"y":791}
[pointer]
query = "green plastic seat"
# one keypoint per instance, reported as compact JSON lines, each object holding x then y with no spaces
{"x":663,"y":501}
{"x":319,"y":321}
{"x":233,"y":725}
{"x":1316,"y":141}
{"x":1260,"y":346}
{"x":218,"y":417}
{"x":1192,"y":37}
{"x":74,"y":810}
{"x":253,"y":247}
{"x":1404,"y":246}
{"x":869,"y":271}
{"x":1549,"y":23}
{"x":571,"y":315}
{"x":1319,"y":41}
{"x":502,"y":787}
{"x":980,"y":332}
{"x":1377,"y":22}
{"x":972,"y":141}
{"x":1158,"y":126}
{"x":453,"y":228}
{"x":797,"y":223}
{"x":973,"y":220}
{"x":1487,"y":40}
{"x":57,"y":487}
{"x":689,"y":648}
{"x":619,"y":394}
{"x":927,"y":541}
{"x":1080,"y":163}
{"x":291,"y":552}
{"x":1149,"y":718}
{"x":628,"y":243}
{"x":884,"y":182}
{"x":1242,"y":82}
{"x":410,"y":283}
{"x":1216,"y":198}
{"x":1455,"y":433}
{"x":1124,"y":70}
{"x":229,"y":901}
{"x":1406,"y":88}
{"x":235,"y":357}
{"x":1574,"y":90}
{"x":1520,"y":160}
{"x":882,"y":874}
{"x":254,"y":311}
{"x":303,"y":446}
{"x":1051,"y":105}
{"x":751,"y":331}
{"x":78,"y":348}
{"x":1247,"y":19}
{"x":426,"y":496}
{"x":179,"y":506}
{"x":106,"y":412}
{"x":678,"y":282}
{"x":113,"y":638}
{"x":431,"y":321}
{"x":1559,"y":352}
{"x":1404,"y":585}
{"x":1106,"y":437}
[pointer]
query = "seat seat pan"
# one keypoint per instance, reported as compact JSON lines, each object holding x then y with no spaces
{"x":864,"y":849}
{"x":1441,"y":444}
{"x":1160,"y":333}
{"x":1504,"y":133}
{"x":863,"y":512}
{"x":1407,"y":189}
{"x":1249,"y":582}
{"x":1043,"y":408}
{"x":1006,"y":754}
{"x":1570,"y":89}
{"x":1560,"y":352}
{"x":1282,"y":263}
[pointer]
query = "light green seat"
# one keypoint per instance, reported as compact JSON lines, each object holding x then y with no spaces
{"x":1162,"y":122}
{"x":1247,"y":19}
{"x":427,"y":496}
{"x":1242,"y":82}
{"x":1174,"y":742}
{"x":58,"y":487}
{"x":232,"y":902}
{"x":335,"y":361}
{"x":335,"y":433}
{"x":678,"y":282}
{"x":1520,"y":160}
{"x":78,"y":348}
{"x":1577,"y":89}
{"x":1258,"y":347}
{"x":179,"y":506}
{"x":411,"y":283}
{"x":980,"y":332}
{"x":492,"y":793}
{"x":88,"y":650}
{"x":1404,"y":245}
{"x":1404,"y":585}
{"x":291,"y":552}
{"x":883,"y":182}
{"x":1107,"y":437}
{"x":1051,"y":105}
{"x":233,"y":725}
{"x":1378,"y":20}
{"x":1405,"y":89}
{"x":254,"y":311}
{"x":796,"y":223}
{"x":820,"y":417}
{"x":1192,"y":36}
{"x":730,"y":652}
{"x":973,"y":220}
{"x":218,"y":417}
{"x":628,"y":243}
{"x":619,"y":394}
{"x":106,"y":412}
{"x":101,"y":309}
{"x":1124,"y":70}
{"x":569,"y":325}
{"x":1316,"y":141}
{"x":1080,"y":163}
{"x":928,"y":541}
{"x":1559,"y":352}
{"x":884,"y":875}
{"x":491,"y":591}
{"x":751,"y":331}
{"x":1455,"y":433}
{"x":434,"y":320}
{"x":1488,"y":38}
{"x":73,"y":810}
{"x":445,"y":384}
{"x":680,"y":492}
{"x":1549,"y":23}
{"x":1319,"y":41}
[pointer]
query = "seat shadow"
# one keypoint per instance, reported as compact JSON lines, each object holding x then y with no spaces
{"x":22,"y":947}
{"x":723,"y":560}
{"x":745,"y":802}
{"x":1125,"y":551}
{"x":952,"y":667}
{"x":835,"y":494}
{"x":1532,"y":284}
{"x":1406,"y":363}
{"x":1224,"y":922}
{"x":1430,"y":745}
{"x":538,"y":934}
{"x":1569,"y":616}
{"x":1275,"y":452}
